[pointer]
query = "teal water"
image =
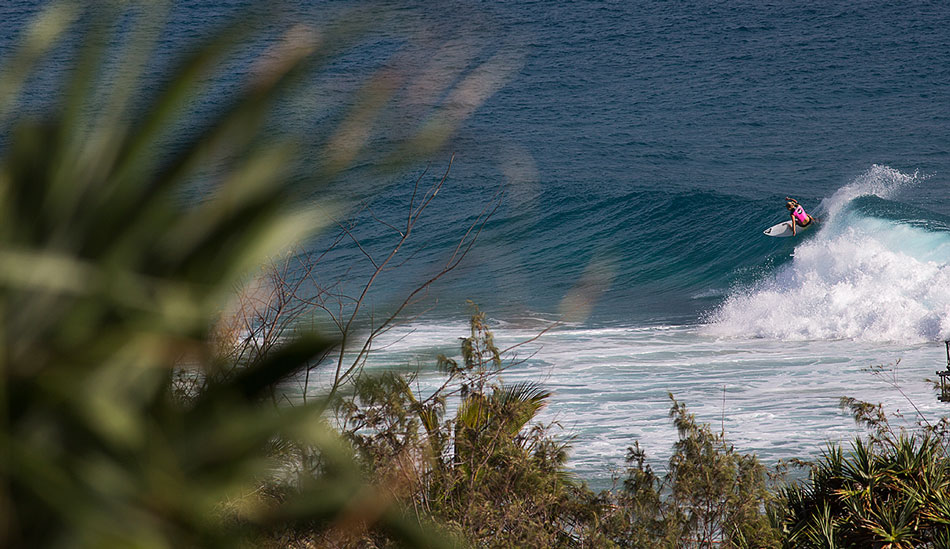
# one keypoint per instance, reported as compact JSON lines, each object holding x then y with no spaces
{"x":645,"y":146}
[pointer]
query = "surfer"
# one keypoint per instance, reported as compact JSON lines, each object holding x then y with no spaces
{"x":799,"y":217}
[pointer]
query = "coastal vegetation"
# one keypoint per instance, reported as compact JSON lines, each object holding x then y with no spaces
{"x":889,"y":489}
{"x":161,"y":386}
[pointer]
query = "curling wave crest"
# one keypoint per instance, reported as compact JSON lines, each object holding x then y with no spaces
{"x":862,"y":276}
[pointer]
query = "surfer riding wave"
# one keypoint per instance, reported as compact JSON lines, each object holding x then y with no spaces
{"x":799,"y":217}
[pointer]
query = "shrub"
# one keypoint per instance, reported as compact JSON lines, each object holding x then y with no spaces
{"x":486,"y":472}
{"x":710,"y":495}
{"x":888,"y":490}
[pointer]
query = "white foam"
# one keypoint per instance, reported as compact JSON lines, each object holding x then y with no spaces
{"x":859,"y":278}
{"x":774,"y":398}
{"x":881,"y":181}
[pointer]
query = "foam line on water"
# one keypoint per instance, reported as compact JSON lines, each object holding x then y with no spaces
{"x":611,"y":387}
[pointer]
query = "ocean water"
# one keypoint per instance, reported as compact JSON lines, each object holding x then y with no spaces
{"x":642,"y":149}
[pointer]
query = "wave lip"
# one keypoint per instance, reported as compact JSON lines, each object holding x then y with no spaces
{"x":860,"y":277}
{"x":880,"y":181}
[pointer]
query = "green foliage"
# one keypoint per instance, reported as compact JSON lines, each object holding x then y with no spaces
{"x":892,"y":490}
{"x":710,"y":495}
{"x":500,"y":482}
{"x":110,"y":287}
{"x":486,"y":472}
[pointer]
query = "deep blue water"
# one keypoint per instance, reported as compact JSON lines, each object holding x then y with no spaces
{"x":646,"y":119}
{"x":654,"y":140}
{"x":660,"y":138}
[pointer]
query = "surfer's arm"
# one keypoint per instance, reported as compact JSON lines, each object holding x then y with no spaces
{"x":793,"y":225}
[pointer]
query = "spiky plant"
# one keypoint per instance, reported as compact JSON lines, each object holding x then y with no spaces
{"x":890,"y":494}
{"x":111,"y":278}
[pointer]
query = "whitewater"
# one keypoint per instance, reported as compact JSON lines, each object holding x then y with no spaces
{"x":864,"y":276}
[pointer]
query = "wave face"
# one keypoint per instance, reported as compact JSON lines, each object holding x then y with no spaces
{"x":876,"y":270}
{"x":668,"y":254}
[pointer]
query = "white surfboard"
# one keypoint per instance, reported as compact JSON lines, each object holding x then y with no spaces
{"x":782,"y":229}
{"x":785,"y":229}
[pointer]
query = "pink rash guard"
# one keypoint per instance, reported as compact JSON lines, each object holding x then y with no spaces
{"x":800,"y":216}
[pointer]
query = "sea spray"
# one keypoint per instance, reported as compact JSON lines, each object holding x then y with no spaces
{"x":860,"y":277}
{"x":882,"y":181}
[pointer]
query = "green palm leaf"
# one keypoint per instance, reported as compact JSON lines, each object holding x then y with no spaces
{"x":110,"y":282}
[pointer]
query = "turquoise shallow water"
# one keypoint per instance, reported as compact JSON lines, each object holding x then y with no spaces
{"x":644,"y":147}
